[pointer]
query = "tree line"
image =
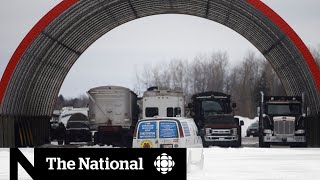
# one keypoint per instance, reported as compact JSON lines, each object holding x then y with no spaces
{"x":214,"y":72}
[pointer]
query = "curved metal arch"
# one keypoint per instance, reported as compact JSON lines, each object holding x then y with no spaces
{"x":38,"y":67}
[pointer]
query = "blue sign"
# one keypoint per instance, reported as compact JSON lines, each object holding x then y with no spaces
{"x":147,"y":130}
{"x":168,"y":130}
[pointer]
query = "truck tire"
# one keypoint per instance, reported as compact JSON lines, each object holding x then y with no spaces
{"x":95,"y":138}
{"x":66,"y":142}
{"x":239,"y":142}
{"x":263,"y":144}
{"x":60,"y":142}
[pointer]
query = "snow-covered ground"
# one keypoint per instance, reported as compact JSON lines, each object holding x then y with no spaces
{"x":258,"y":164}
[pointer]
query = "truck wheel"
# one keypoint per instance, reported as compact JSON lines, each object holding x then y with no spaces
{"x":66,"y":142}
{"x":60,"y":142}
{"x":95,"y":138}
{"x":239,"y":143}
{"x":263,"y":144}
{"x":206,"y":145}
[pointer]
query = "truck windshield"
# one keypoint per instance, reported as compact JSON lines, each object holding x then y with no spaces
{"x":284,"y":109}
{"x":212,"y":106}
{"x":77,"y":125}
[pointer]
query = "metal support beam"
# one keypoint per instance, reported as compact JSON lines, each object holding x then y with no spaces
{"x":61,"y":44}
{"x":133,"y":10}
{"x":171,"y":4}
{"x":274,"y":45}
{"x":207,"y":9}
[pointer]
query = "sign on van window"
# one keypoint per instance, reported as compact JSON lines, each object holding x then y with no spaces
{"x":147,"y":130}
{"x":185,"y":128}
{"x":168,"y":129}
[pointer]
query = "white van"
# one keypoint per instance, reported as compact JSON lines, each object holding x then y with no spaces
{"x":166,"y":132}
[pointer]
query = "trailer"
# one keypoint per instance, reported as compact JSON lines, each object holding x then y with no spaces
{"x":113,"y":114}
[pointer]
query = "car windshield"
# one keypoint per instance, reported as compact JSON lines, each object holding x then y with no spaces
{"x":284,"y":109}
{"x":254,"y":125}
{"x":77,"y":125}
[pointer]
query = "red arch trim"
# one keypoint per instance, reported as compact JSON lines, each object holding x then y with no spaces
{"x":273,"y":16}
{"x":64,"y":5}
{"x":29,"y":38}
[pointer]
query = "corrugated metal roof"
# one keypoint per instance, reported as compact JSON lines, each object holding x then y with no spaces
{"x":40,"y":72}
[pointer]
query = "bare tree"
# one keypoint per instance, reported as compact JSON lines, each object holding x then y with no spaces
{"x":212,"y":73}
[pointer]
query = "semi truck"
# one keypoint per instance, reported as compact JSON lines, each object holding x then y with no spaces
{"x":282,"y":121}
{"x":214,"y":116}
{"x":163,"y":103}
{"x":113,"y":114}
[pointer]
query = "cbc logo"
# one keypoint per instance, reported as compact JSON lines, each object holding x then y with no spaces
{"x":164,"y":163}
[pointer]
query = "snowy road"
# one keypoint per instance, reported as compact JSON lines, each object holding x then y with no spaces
{"x":258,"y":164}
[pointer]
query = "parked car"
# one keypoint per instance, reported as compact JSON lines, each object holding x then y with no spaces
{"x":253,"y":129}
{"x":78,"y":129}
{"x":166,"y":132}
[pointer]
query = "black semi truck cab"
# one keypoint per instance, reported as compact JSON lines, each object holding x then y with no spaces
{"x":282,"y":121}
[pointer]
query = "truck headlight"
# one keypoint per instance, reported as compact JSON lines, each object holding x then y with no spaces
{"x":207,"y":131}
{"x":234,"y":131}
{"x":267,"y":131}
{"x":300,"y":131}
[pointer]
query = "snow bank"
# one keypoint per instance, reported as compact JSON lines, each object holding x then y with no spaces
{"x":247,"y":123}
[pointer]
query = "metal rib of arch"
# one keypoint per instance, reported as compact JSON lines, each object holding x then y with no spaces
{"x":40,"y":71}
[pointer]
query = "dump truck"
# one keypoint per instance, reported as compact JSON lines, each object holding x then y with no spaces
{"x":113,"y":114}
{"x":214,"y":116}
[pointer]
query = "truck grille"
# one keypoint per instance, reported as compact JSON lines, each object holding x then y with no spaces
{"x":284,"y":125}
{"x":218,"y":132}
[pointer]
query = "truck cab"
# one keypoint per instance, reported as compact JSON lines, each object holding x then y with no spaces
{"x":282,"y":121}
{"x":214,"y":117}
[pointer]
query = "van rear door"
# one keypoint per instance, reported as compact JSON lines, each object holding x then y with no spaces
{"x":147,"y":134}
{"x":168,"y":134}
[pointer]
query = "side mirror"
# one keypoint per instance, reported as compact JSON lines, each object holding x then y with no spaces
{"x":234,"y":105}
{"x":237,"y":120}
{"x":241,"y":123}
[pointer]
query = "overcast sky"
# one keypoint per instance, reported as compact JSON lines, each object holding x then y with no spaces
{"x":115,"y":57}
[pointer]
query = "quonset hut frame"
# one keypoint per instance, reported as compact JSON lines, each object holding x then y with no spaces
{"x":38,"y":67}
